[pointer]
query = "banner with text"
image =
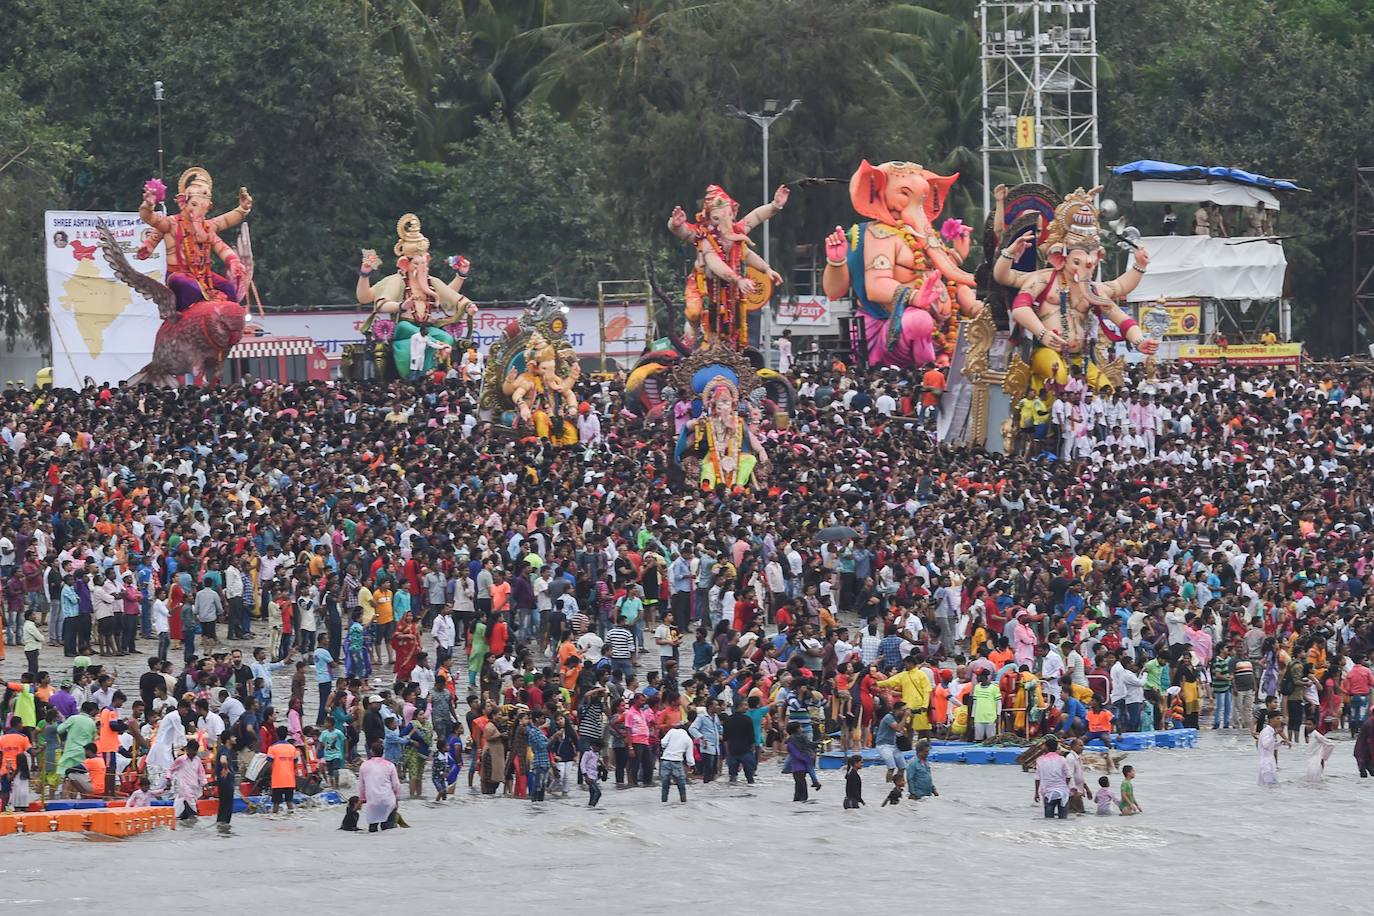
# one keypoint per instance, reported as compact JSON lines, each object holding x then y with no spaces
{"x":626,"y":328}
{"x":100,"y":328}
{"x":1284,"y":354}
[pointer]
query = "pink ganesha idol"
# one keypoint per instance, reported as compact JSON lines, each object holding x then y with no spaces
{"x":905,"y":276}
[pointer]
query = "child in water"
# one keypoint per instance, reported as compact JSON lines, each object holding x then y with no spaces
{"x":1106,"y":801}
{"x":141,"y":797}
{"x":1128,"y":803}
{"x":350,"y":818}
{"x":853,"y":782}
{"x":898,"y":785}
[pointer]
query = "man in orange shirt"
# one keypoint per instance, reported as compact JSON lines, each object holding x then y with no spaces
{"x":932,"y":386}
{"x":13,"y":745}
{"x":385,"y":621}
{"x":89,"y":777}
{"x":107,"y":740}
{"x":283,"y":754}
{"x":500,"y":593}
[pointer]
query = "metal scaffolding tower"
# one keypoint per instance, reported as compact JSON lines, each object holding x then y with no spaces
{"x":1039,"y":84}
{"x":1362,"y":262}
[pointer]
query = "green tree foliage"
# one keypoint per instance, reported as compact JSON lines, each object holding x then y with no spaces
{"x":666,"y":100}
{"x":34,"y":158}
{"x":549,"y":139}
{"x":1259,"y":89}
{"x":281,"y":96}
{"x":526,"y":206}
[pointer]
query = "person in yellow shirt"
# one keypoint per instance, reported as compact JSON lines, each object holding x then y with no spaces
{"x":1269,"y":338}
{"x":386,"y":622}
{"x":916,"y":690}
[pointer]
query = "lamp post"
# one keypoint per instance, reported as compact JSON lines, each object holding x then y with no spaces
{"x":157,"y":97}
{"x":764,"y":119}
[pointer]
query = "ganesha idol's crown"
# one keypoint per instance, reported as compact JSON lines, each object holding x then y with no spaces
{"x":1074,"y":224}
{"x":409,"y":239}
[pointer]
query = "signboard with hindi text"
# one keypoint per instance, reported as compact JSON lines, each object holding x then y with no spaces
{"x":626,"y":327}
{"x":100,"y":328}
{"x":1283,"y":354}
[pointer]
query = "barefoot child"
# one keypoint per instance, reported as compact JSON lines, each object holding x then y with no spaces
{"x":898,"y":784}
{"x":853,"y":782}
{"x":351,"y":815}
{"x":332,"y":743}
{"x":1106,"y":801}
{"x":1128,"y":803}
{"x":1100,"y":727}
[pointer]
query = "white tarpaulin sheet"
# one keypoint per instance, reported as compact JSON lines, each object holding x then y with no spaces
{"x":1222,"y":193}
{"x":1184,"y":266}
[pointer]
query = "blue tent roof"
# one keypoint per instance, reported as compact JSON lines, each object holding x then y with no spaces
{"x":1168,"y":171}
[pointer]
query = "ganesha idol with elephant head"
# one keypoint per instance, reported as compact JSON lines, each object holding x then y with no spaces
{"x":1060,"y":309}
{"x":905,"y":276}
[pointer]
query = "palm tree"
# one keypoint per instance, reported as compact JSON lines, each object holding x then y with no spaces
{"x":598,"y":32}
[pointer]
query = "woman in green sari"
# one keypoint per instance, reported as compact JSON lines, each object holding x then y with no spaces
{"x":477,"y":650}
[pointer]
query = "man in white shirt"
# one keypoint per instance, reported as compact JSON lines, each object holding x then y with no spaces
{"x":230,"y":706}
{"x":423,"y":674}
{"x":1051,"y":670}
{"x":444,"y":633}
{"x":590,"y":645}
{"x":676,"y":747}
{"x":233,"y":595}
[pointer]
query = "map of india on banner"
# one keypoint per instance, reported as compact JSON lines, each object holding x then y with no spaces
{"x":100,"y":328}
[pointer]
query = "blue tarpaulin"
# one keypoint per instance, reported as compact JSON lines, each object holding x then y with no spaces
{"x":1168,"y":171}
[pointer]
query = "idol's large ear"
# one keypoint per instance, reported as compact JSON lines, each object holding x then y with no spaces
{"x":939,"y":192}
{"x":868,"y":192}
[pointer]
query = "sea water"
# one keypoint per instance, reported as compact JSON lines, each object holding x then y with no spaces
{"x":1210,"y":841}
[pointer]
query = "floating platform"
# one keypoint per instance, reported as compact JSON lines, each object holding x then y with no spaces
{"x":116,"y":822}
{"x":206,"y":807}
{"x":971,"y":753}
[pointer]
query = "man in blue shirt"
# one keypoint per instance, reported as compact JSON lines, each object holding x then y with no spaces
{"x":1075,"y":713}
{"x":680,"y":588}
{"x":324,"y":679}
{"x":143,"y":575}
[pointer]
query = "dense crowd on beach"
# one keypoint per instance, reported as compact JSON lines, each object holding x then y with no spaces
{"x":265,"y":586}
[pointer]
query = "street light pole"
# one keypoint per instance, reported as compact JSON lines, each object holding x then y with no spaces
{"x":157,"y":97}
{"x":764,"y":119}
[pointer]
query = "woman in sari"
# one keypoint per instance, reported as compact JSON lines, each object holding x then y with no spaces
{"x":477,"y":650}
{"x":494,"y":754}
{"x":406,"y":644}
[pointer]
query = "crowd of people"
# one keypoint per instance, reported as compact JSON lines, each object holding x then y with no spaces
{"x":447,"y":598}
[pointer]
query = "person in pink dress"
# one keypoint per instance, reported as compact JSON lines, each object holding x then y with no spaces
{"x":379,"y":789}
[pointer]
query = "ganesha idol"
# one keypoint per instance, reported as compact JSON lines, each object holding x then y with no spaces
{"x":719,"y":444}
{"x":411,"y":307}
{"x":201,"y":311}
{"x":531,"y":374}
{"x":1065,"y":318}
{"x":905,"y":277}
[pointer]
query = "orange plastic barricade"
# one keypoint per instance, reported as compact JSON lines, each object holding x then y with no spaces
{"x":71,"y":821}
{"x":7,"y":825}
{"x":37,"y":823}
